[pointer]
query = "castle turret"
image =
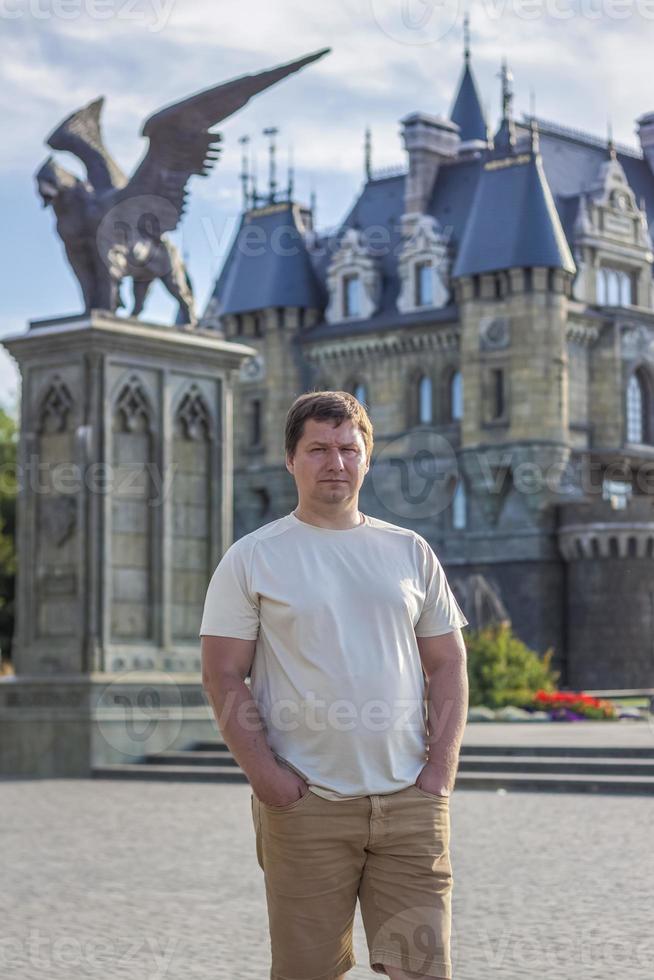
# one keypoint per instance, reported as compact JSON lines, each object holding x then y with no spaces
{"x":466,"y":111}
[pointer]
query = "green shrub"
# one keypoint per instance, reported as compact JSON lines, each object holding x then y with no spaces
{"x":503,"y":670}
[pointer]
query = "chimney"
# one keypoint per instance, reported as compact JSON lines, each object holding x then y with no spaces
{"x":646,"y":137}
{"x":429,"y":140}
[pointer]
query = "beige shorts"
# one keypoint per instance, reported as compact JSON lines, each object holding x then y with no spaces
{"x":391,"y":851}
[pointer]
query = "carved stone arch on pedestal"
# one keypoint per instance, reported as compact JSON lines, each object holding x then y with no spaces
{"x":134,"y":403}
{"x":193,"y":443}
{"x":56,"y":507}
{"x":133,"y":455}
{"x":55,"y":406}
{"x":192,"y":413}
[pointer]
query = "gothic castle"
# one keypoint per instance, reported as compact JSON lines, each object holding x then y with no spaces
{"x":492,"y":306}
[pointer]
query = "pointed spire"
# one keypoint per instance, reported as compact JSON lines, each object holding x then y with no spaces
{"x":610,"y":145}
{"x":291,"y":174}
{"x":507,"y":90}
{"x":254,"y":171}
{"x":505,"y":138}
{"x":245,"y":178}
{"x":313,"y":204}
{"x":466,"y":110}
{"x":368,"y":154}
{"x":466,"y":38}
{"x":271,"y":132}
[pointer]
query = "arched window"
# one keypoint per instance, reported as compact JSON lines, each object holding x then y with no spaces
{"x":456,"y":396}
{"x":256,"y":430}
{"x":351,"y":296}
{"x":636,"y":402}
{"x":360,"y":393}
{"x":424,"y":284}
{"x":601,"y":287}
{"x":425,"y":401}
{"x":612,"y":287}
{"x":459,"y":507}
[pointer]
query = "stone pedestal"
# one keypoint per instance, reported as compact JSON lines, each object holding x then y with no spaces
{"x":124,"y":510}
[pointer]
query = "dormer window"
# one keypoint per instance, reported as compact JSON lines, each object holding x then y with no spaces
{"x":351,"y":296}
{"x":424,"y":282}
{"x":423,"y":268}
{"x":353,"y":280}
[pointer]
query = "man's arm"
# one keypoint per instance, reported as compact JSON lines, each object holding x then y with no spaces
{"x":226,"y":661}
{"x":444,"y":663}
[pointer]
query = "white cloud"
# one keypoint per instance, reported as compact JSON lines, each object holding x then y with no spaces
{"x":582,"y":72}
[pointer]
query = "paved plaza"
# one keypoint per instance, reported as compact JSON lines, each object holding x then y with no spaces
{"x":146,"y":881}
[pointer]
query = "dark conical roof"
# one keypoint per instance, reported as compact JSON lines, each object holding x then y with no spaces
{"x":466,"y":111}
{"x":513,"y":222}
{"x":268,"y":265}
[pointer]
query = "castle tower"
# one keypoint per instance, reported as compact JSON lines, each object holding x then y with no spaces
{"x":513,"y":279}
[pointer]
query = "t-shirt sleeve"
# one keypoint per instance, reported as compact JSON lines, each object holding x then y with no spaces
{"x":230,"y":609}
{"x":441,"y":612}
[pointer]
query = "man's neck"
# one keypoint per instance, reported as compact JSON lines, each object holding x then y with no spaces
{"x":337,"y":522}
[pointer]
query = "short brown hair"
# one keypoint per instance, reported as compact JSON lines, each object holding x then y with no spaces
{"x":325,"y":406}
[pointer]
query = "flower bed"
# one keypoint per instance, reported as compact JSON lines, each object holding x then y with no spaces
{"x":572,"y":706}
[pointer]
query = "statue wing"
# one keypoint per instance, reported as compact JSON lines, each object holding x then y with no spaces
{"x":181,"y":144}
{"x":81,"y":134}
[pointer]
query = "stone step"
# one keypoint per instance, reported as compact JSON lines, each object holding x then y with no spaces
{"x":544,"y":781}
{"x":567,"y":751}
{"x":191,"y":758}
{"x":141,"y":770}
{"x":592,"y":765}
{"x":571,"y":751}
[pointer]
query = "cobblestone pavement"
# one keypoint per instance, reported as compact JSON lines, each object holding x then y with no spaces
{"x":146,"y":881}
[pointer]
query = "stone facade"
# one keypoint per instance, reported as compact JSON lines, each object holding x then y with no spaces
{"x":501,"y":404}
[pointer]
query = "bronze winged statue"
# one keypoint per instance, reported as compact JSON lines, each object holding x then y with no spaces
{"x":113,"y":228}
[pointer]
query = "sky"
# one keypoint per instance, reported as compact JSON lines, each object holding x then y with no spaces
{"x":583,"y":62}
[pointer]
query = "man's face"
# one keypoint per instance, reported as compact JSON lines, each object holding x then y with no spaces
{"x":329,"y":462}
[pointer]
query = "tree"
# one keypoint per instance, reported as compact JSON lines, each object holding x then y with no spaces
{"x":8,"y":494}
{"x":503,"y":670}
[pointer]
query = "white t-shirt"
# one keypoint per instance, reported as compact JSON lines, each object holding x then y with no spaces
{"x":336,"y":676}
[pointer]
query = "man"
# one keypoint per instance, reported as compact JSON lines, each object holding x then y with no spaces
{"x":348,"y":625}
